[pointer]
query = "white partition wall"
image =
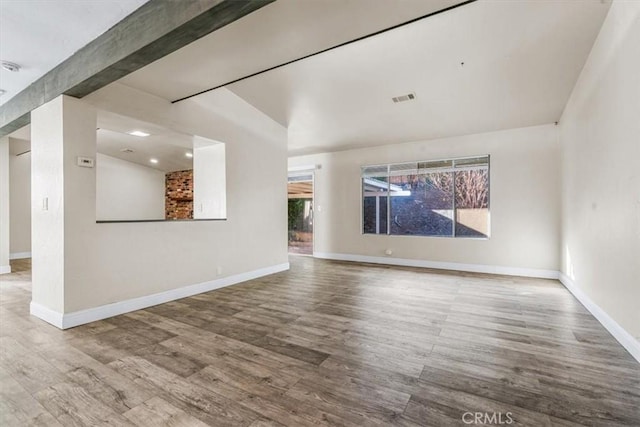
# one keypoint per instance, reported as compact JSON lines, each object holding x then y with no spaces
{"x":84,"y":271}
{"x":62,"y":198}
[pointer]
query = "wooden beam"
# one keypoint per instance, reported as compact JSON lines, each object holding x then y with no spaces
{"x":156,"y":29}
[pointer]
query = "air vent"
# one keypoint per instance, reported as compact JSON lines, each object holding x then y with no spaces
{"x":10,"y":66}
{"x":403,"y":98}
{"x":127,"y":150}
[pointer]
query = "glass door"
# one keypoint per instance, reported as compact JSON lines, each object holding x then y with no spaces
{"x":300,"y":213}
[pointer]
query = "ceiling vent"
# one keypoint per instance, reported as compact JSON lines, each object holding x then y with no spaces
{"x":403,"y":98}
{"x":127,"y":150}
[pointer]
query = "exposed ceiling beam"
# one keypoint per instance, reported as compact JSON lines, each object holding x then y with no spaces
{"x":154,"y":30}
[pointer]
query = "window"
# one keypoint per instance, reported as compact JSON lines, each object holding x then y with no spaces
{"x":446,"y":198}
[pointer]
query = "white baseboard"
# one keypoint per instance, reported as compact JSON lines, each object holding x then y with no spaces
{"x":65,"y":321}
{"x":5,"y":269}
{"x":20,"y":255}
{"x":474,"y":268}
{"x":623,"y":337}
{"x":69,"y":320}
{"x":50,"y":316}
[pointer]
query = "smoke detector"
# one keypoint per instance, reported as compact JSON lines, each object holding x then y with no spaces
{"x":10,"y":66}
{"x":403,"y":98}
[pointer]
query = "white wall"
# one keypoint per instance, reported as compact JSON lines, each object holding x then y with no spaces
{"x":48,"y":199}
{"x":524,"y":200}
{"x":209,"y":180}
{"x":20,"y":204}
{"x":127,"y":190}
{"x":112,"y":262}
{"x":600,"y":138}
{"x":5,"y":267}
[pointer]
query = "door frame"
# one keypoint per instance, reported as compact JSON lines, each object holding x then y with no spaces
{"x":294,"y":171}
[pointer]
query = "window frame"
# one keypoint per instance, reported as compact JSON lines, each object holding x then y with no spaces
{"x":442,"y":169}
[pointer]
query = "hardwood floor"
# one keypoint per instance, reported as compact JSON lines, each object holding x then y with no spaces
{"x":327,"y":343}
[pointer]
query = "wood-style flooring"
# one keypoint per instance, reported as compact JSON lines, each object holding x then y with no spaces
{"x":327,"y":343}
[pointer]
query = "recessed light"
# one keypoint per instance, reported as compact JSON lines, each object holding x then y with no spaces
{"x":138,"y":133}
{"x":10,"y":66}
{"x":188,"y":154}
{"x":154,"y":161}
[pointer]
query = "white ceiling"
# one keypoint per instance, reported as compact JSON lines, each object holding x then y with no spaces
{"x":40,"y":34}
{"x":521,"y":61}
{"x":165,"y":145}
{"x":277,"y":33}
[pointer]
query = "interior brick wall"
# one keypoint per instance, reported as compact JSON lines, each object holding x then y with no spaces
{"x":179,"y":195}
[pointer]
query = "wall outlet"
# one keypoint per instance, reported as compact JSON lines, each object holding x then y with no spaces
{"x":45,"y":204}
{"x":388,"y":252}
{"x":219,"y":270}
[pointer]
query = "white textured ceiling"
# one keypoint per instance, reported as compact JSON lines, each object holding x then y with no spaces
{"x":40,"y":34}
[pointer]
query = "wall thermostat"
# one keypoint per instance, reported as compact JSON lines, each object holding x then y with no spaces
{"x":85,"y":162}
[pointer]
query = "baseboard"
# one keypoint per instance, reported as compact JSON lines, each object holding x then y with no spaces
{"x":46,"y":314}
{"x":20,"y":255}
{"x":623,"y":337}
{"x":5,"y":269}
{"x":69,"y":320}
{"x":474,"y":268}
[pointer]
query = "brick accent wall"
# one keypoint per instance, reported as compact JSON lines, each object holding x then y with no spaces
{"x":179,"y":195}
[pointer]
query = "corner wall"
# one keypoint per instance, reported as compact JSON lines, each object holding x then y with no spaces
{"x":524,"y":204}
{"x":600,"y":139}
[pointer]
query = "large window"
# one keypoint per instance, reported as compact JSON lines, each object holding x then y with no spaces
{"x":447,"y":198}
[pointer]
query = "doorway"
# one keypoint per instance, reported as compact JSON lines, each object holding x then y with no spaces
{"x":300,"y":213}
